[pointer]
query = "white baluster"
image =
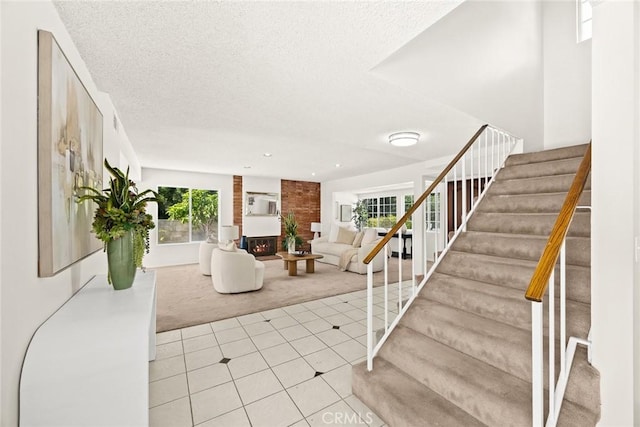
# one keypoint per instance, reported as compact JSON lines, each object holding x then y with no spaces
{"x":537,"y":373}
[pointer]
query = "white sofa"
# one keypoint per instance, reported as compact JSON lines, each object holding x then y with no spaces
{"x":332,"y":247}
{"x":234,"y":271}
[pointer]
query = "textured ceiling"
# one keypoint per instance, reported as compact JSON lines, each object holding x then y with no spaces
{"x":211,"y":86}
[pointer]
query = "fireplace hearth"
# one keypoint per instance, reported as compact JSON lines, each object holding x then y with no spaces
{"x":262,"y":246}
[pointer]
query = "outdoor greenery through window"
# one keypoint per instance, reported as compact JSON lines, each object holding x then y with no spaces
{"x":187,"y":215}
{"x":432,"y":209}
{"x":408,"y":202}
{"x":382,"y":211}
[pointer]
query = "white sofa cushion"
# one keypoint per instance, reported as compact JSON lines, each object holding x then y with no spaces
{"x":345,"y":236}
{"x":333,"y":233}
{"x":370,"y":235}
{"x":335,"y":249}
{"x":357,"y":241}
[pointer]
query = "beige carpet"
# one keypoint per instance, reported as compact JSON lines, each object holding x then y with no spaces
{"x":186,"y":297}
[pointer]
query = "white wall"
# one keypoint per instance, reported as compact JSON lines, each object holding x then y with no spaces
{"x":26,"y":300}
{"x":485,"y":59}
{"x":258,"y":226}
{"x":567,"y":77}
{"x":339,"y":199}
{"x":128,"y":157}
{"x":183,"y":253}
{"x":346,"y":189}
{"x":615,"y":218}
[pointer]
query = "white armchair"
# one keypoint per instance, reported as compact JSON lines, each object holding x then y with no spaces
{"x":235,"y":271}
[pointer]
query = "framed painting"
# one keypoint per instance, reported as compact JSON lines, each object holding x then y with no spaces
{"x":69,"y":157}
{"x":345,"y":213}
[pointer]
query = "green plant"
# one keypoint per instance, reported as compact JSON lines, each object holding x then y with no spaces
{"x":360,"y":214}
{"x":204,"y":210}
{"x":121,"y":209}
{"x":290,"y":230}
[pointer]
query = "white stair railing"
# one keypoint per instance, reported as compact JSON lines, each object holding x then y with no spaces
{"x":543,"y":279}
{"x":473,"y":170}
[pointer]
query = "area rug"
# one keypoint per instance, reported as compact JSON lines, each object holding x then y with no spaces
{"x":187,"y":298}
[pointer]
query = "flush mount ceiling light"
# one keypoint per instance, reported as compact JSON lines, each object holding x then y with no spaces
{"x":404,"y":139}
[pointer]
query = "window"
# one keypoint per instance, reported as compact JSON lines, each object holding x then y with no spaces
{"x":408,"y":202}
{"x":584,"y":20}
{"x":187,"y":215}
{"x":382,"y":211}
{"x":432,"y":209}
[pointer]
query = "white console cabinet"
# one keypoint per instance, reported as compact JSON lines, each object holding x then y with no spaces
{"x":88,"y":364}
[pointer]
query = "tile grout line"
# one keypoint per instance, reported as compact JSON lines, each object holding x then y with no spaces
{"x":286,"y":341}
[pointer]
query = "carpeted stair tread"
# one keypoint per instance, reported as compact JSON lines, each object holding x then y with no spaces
{"x":489,"y":394}
{"x":521,"y":246}
{"x":542,"y":184}
{"x":530,"y":203}
{"x":572,"y":415}
{"x":530,"y":170}
{"x":467,"y":335}
{"x":498,"y":344}
{"x":547,"y":155}
{"x":505,"y":305}
{"x":530,"y":223}
{"x":584,"y":380}
{"x":512,"y":273}
{"x":402,"y":401}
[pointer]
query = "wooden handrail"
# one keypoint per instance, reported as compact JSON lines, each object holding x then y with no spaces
{"x":547,"y":262}
{"x":422,"y":198}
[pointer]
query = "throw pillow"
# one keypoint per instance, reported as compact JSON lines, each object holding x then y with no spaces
{"x":227,"y":247}
{"x":333,"y":234}
{"x":345,"y":236}
{"x":357,"y":241}
{"x":370,"y":236}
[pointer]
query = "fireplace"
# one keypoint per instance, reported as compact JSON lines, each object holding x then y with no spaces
{"x":262,"y":246}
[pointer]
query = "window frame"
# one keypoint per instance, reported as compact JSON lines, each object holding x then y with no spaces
{"x":190,"y":222}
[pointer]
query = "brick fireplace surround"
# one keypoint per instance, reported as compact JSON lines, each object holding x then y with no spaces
{"x":300,"y":197}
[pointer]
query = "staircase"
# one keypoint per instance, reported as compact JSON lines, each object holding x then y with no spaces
{"x":461,"y":355}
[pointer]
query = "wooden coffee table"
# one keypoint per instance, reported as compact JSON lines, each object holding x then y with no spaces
{"x":291,"y":262}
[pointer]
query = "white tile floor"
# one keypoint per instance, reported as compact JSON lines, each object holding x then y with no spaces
{"x":281,"y":367}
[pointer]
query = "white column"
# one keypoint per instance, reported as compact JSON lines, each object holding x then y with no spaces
{"x":614,"y":221}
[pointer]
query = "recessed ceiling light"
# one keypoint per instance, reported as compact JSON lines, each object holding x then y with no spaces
{"x":338,"y":165}
{"x":247,"y":167}
{"x":313,"y":174}
{"x":404,"y":139}
{"x":267,"y":154}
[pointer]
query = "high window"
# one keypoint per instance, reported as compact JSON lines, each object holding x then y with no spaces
{"x":187,"y":215}
{"x":584,"y":20}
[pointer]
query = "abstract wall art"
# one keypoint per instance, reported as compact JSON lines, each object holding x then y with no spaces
{"x":69,"y":157}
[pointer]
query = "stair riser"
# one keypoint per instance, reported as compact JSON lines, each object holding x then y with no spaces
{"x":507,"y":349}
{"x":546,"y":184}
{"x":450,"y":375}
{"x":557,"y":167}
{"x":513,"y":276}
{"x":547,"y":155}
{"x":511,"y":309}
{"x":529,"y":203}
{"x":401,"y":401}
{"x":535,"y":224}
{"x":578,"y":249}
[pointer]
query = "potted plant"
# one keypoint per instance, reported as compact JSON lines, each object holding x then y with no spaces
{"x":360,"y":214}
{"x":291,"y":238}
{"x":122,"y":223}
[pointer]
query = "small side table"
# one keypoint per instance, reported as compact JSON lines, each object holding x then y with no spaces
{"x":206,"y":249}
